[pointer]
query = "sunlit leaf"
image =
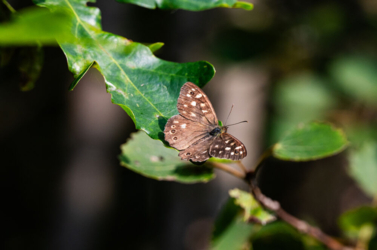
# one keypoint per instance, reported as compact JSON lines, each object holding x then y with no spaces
{"x":252,"y":209}
{"x":146,"y":87}
{"x":152,"y":159}
{"x":310,"y":142}
{"x":193,"y":5}
{"x":363,"y":167}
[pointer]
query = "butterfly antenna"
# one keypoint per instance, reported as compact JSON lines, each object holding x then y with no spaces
{"x":236,"y":123}
{"x":229,"y":114}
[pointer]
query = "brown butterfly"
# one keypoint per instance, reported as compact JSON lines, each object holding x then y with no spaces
{"x":195,"y":131}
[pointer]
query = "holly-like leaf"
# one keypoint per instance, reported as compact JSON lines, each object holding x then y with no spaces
{"x":152,"y":159}
{"x":310,"y":142}
{"x":193,"y":5}
{"x":253,"y":211}
{"x":146,"y":87}
{"x":363,"y":167}
{"x":32,"y":25}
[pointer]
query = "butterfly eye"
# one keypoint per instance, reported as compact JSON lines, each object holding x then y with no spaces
{"x":175,"y":138}
{"x":173,"y":131}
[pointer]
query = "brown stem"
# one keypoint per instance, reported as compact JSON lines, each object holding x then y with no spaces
{"x":228,"y":169}
{"x":300,"y":225}
{"x":243,"y":168}
{"x":261,"y":159}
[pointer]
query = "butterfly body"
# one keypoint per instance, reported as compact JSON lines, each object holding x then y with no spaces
{"x":195,"y":130}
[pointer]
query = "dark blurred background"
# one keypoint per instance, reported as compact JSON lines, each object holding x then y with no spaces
{"x":283,"y":63}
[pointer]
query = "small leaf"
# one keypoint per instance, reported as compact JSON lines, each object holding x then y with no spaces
{"x":155,"y":46}
{"x":252,"y":209}
{"x":30,"y":66}
{"x":358,"y":220}
{"x":363,"y":167}
{"x":230,"y":231}
{"x":152,"y":159}
{"x":277,"y":235}
{"x":310,"y":142}
{"x":193,"y":5}
{"x":35,"y":24}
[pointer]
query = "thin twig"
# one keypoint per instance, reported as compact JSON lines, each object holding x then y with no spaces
{"x":228,"y":169}
{"x":261,"y":159}
{"x":243,"y":168}
{"x":300,"y":225}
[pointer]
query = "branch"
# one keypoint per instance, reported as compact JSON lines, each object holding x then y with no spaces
{"x":227,"y":168}
{"x":300,"y":225}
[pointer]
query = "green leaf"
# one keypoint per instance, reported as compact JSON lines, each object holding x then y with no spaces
{"x":363,"y":167}
{"x":236,"y":237}
{"x":252,"y":209}
{"x":152,"y":159}
{"x":277,"y":235}
{"x":356,"y":76}
{"x":35,"y":24}
{"x":310,"y":142}
{"x":193,"y":5}
{"x":353,"y":220}
{"x":146,"y":87}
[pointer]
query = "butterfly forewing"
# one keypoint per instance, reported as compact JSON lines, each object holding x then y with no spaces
{"x":182,"y":133}
{"x":228,"y":147}
{"x":193,"y":104}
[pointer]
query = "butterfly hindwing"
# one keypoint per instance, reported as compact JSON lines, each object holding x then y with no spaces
{"x":182,"y":133}
{"x":193,"y":104}
{"x":199,"y":151}
{"x":227,"y":146}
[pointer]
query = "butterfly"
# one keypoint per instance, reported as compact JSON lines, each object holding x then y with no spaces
{"x":195,"y":130}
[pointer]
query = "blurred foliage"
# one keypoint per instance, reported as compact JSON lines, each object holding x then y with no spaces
{"x":193,"y":5}
{"x":363,"y":167}
{"x":28,"y":60}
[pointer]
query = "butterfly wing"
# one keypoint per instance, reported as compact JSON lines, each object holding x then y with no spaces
{"x":227,"y":146}
{"x":181,"y":133}
{"x":194,"y":105}
{"x":199,"y":151}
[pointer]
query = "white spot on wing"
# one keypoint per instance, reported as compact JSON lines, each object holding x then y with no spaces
{"x":193,"y":89}
{"x":227,"y":148}
{"x":198,"y":96}
{"x":192,"y":114}
{"x":193,"y":103}
{"x":204,"y":111}
{"x":232,"y":153}
{"x":220,"y":152}
{"x":184,"y":105}
{"x":183,"y":126}
{"x":204,"y":151}
{"x":202,"y":105}
{"x":175,"y":121}
{"x":226,"y":141}
{"x":238,"y":147}
{"x":232,"y":144}
{"x":216,"y":146}
{"x":241,"y":152}
{"x":188,"y":95}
